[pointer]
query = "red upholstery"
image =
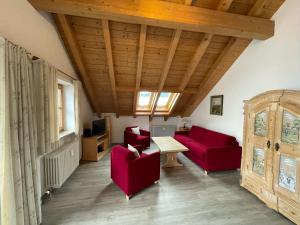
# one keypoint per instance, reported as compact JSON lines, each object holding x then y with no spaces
{"x":134,"y":139}
{"x":215,"y":139}
{"x":183,"y":138}
{"x":133,"y":174}
{"x":211,"y":150}
{"x":197,"y":133}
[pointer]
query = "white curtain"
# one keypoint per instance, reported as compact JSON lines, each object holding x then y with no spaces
{"x":19,"y":197}
{"x":77,"y":91}
{"x":46,"y":99}
{"x":3,"y":121}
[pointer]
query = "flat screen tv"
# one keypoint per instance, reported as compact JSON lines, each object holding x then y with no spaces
{"x":98,"y":127}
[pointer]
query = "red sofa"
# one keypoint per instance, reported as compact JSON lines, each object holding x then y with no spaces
{"x":134,"y":139}
{"x":133,"y":174}
{"x":211,"y":150}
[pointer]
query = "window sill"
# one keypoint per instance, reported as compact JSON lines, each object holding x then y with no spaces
{"x":65,"y":133}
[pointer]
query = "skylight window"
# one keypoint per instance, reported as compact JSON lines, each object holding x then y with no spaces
{"x":144,"y":98}
{"x":166,"y":102}
{"x":163,"y":99}
{"x":145,"y":101}
{"x":164,"y":105}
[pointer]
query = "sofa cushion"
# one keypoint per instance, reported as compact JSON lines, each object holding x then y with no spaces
{"x":197,"y":149}
{"x":197,"y":133}
{"x":216,"y":139}
{"x":183,"y":139}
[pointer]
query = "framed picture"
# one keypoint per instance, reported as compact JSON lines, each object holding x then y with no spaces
{"x":216,"y":105}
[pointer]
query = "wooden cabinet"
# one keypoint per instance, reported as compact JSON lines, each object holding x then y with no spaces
{"x":271,"y":150}
{"x":96,"y":147}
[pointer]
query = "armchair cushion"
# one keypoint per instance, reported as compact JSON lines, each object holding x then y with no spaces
{"x":134,"y":150}
{"x":136,"y":130}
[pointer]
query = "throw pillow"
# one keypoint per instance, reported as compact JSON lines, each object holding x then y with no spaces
{"x":136,"y":130}
{"x":134,"y":150}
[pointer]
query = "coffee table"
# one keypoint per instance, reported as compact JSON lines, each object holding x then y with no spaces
{"x":170,"y":147}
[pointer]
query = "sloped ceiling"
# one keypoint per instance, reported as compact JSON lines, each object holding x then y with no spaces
{"x":122,"y":47}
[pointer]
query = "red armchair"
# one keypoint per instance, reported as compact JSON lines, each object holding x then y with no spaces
{"x":133,"y":174}
{"x":134,"y":139}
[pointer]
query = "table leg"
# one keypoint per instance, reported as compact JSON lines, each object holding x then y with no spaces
{"x":172,"y":160}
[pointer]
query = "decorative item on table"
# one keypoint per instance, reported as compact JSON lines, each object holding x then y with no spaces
{"x":216,"y":105}
{"x":186,"y":121}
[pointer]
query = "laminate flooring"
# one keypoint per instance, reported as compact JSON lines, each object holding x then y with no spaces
{"x":183,"y":196}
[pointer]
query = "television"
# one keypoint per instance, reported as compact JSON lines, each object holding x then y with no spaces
{"x":98,"y":127}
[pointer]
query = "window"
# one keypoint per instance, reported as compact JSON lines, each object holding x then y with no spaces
{"x":144,"y":98}
{"x":66,"y":116}
{"x":60,"y":107}
{"x":164,"y":105}
{"x":166,"y":102}
{"x":145,"y":101}
{"x":163,"y":99}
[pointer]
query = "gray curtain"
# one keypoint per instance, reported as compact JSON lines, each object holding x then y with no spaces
{"x":45,"y":81}
{"x":19,"y":191}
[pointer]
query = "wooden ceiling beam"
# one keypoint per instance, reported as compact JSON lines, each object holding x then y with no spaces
{"x":200,"y":51}
{"x":142,"y":42}
{"x":161,"y":13}
{"x":211,"y":78}
{"x":188,"y":2}
{"x":223,"y":5}
{"x":213,"y":75}
{"x":110,"y":63}
{"x":165,"y":89}
{"x":170,"y":56}
{"x":258,"y":7}
{"x":70,"y":41}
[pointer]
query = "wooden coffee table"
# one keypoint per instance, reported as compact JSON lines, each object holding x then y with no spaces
{"x":170,"y":147}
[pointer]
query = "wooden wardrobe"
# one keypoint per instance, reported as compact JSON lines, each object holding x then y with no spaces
{"x":271,"y":150}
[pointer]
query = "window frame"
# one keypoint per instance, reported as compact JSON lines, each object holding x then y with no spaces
{"x":61,"y":108}
{"x":167,"y":108}
{"x":147,"y":108}
{"x":158,"y":110}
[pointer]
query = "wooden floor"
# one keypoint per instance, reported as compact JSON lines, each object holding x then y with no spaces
{"x":183,"y":196}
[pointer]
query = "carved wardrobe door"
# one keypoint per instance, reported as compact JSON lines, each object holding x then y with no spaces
{"x":287,"y":156}
{"x":257,"y":163}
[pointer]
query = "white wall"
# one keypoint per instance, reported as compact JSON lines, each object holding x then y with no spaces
{"x":24,"y":26}
{"x":264,"y":65}
{"x":119,"y":124}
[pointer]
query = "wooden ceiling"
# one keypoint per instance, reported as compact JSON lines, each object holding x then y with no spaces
{"x":183,"y":46}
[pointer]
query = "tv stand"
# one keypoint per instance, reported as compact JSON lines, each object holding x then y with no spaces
{"x":90,"y":145}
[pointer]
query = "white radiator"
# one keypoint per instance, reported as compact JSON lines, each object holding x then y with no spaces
{"x":60,"y":164}
{"x":162,"y":130}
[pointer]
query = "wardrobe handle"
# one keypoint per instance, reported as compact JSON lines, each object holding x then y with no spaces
{"x":268,"y":144}
{"x":277,"y":146}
